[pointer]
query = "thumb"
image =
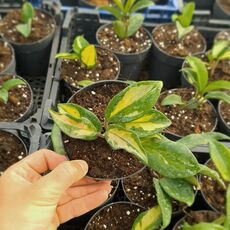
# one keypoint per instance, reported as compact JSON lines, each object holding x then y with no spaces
{"x":54,"y":184}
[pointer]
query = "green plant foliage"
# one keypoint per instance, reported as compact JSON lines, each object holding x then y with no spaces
{"x":227,"y":219}
{"x":7,"y":86}
{"x":27,"y":15}
{"x":56,"y":138}
{"x":126,"y":23}
{"x":203,"y":226}
{"x":172,"y":99}
{"x":85,"y":83}
{"x":81,"y":51}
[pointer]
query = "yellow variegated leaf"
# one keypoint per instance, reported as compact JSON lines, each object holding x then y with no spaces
{"x":120,"y":138}
{"x":67,"y":109}
{"x":88,"y":56}
{"x":148,"y":220}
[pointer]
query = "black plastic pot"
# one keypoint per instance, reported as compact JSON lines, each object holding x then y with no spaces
{"x":166,"y":67}
{"x":203,"y":4}
{"x":227,"y":32}
{"x":131,"y":64}
{"x":33,"y":58}
{"x":29,"y":111}
{"x":219,"y":12}
{"x":223,"y":126}
{"x":10,"y":69}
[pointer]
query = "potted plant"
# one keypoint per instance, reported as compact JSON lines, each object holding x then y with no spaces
{"x":87,"y":64}
{"x":171,"y":44}
{"x":7,"y":58}
{"x":30,"y":32}
{"x":223,"y":35}
{"x":16,"y":98}
{"x":189,"y":108}
{"x":221,"y":9}
{"x":223,"y":115}
{"x":12,"y":150}
{"x":126,"y":37}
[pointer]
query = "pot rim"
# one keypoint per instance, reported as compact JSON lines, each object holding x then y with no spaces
{"x":222,"y":8}
{"x":220,"y":115}
{"x":226,"y":30}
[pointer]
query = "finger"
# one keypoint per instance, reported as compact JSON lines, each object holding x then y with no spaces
{"x":81,"y":191}
{"x":84,"y":181}
{"x":81,"y":206}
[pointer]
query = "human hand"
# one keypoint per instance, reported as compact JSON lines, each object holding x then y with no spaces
{"x":29,"y":201}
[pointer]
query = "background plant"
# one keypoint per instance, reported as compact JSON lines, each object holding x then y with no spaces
{"x":27,"y":14}
{"x":184,"y":20}
{"x":127,"y":22}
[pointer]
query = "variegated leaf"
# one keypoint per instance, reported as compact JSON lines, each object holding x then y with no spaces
{"x":88,"y":56}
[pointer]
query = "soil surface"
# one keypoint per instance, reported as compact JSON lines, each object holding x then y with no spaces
{"x":187,"y":121}
{"x":106,"y":68}
{"x":42,"y":25}
{"x":5,"y":55}
{"x":223,"y":35}
{"x":225,"y":4}
{"x":166,"y":38}
{"x":103,"y":161}
{"x":225,"y":112}
{"x":195,"y":217}
{"x":119,"y":216}
{"x":138,"y":42}
{"x":11,"y":150}
{"x":210,"y":187}
{"x":18,"y":102}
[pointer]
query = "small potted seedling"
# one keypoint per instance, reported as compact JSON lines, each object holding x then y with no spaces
{"x":126,"y":36}
{"x":171,"y":44}
{"x":7,"y":58}
{"x":86,"y":64}
{"x":189,"y":108}
{"x":223,"y":35}
{"x":16,"y":98}
{"x":221,"y":9}
{"x":30,"y":32}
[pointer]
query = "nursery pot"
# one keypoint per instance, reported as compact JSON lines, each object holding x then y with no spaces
{"x":30,"y":108}
{"x":166,"y":67}
{"x":131,"y":63}
{"x":10,"y":68}
{"x":118,"y":206}
{"x":223,"y":126}
{"x":220,"y":12}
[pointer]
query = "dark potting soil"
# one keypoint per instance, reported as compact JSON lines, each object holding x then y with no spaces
{"x":18,"y":102}
{"x":106,"y":68}
{"x":195,"y":217}
{"x":166,"y":38}
{"x":214,"y":193}
{"x":225,"y":4}
{"x":119,"y":216}
{"x":223,"y":35}
{"x":5,"y":55}
{"x":225,"y":112}
{"x":187,"y":121}
{"x":11,"y":150}
{"x":42,"y":25}
{"x":138,"y":42}
{"x":103,"y":161}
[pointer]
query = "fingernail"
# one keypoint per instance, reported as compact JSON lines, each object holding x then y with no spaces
{"x":80,"y":163}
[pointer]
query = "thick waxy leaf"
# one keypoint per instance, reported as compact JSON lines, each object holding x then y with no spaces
{"x":79,"y":44}
{"x":172,"y":99}
{"x":79,"y":128}
{"x":88,"y":56}
{"x":203,"y":226}
{"x":170,"y":159}
{"x":119,"y":28}
{"x":193,"y":181}
{"x":76,"y":111}
{"x":217,"y":85}
{"x":128,"y":5}
{"x":84,"y":83}
{"x":57,"y":142}
{"x":227,"y":219}
{"x":220,"y":156}
{"x":164,"y":203}
{"x":135,"y":22}
{"x":25,"y":29}
{"x":148,"y":220}
{"x":190,"y":76}
{"x":219,"y":95}
{"x":120,"y":138}
{"x":141,"y":4}
{"x":27,"y":12}
{"x":225,"y":55}
{"x":182,"y":31}
{"x":218,"y":48}
{"x":178,"y":189}
{"x":114,"y":11}
{"x":119,"y":4}
{"x":4,"y":95}
{"x":12,"y":83}
{"x":133,"y":102}
{"x":70,"y":56}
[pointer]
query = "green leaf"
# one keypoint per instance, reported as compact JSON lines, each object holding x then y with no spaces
{"x":148,"y":220}
{"x":27,"y":12}
{"x":79,"y":128}
{"x":172,"y":99}
{"x":88,"y":56}
{"x":4,"y":95}
{"x":114,"y":11}
{"x":12,"y":83}
{"x":179,"y":190}
{"x":134,"y":23}
{"x":25,"y":29}
{"x":77,"y":111}
{"x":202,"y":226}
{"x":193,"y":181}
{"x":205,"y":170}
{"x":120,"y":138}
{"x":119,"y":4}
{"x":69,"y":56}
{"x":218,"y":95}
{"x":141,"y":4}
{"x":217,"y":85}
{"x":218,"y":48}
{"x":119,"y":29}
{"x":182,"y":31}
{"x":164,"y":203}
{"x":128,"y":5}
{"x":85,"y":83}
{"x":133,"y":102}
{"x":225,"y":55}
{"x":220,"y":156}
{"x":227,"y":219}
{"x":79,"y":44}
{"x":170,"y":159}
{"x":57,"y":142}
{"x":150,"y":123}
